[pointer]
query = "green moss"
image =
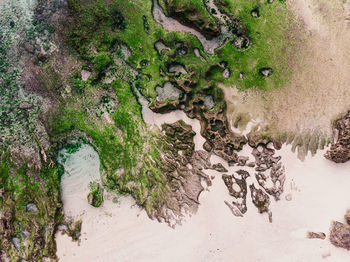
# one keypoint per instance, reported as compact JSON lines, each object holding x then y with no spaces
{"x":192,"y":13}
{"x":20,"y":185}
{"x":273,"y":44}
{"x":101,"y":61}
{"x":95,"y":196}
{"x":117,"y":19}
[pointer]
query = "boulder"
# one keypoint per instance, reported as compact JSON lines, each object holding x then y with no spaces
{"x":31,"y":207}
{"x":266,"y":71}
{"x":168,"y":91}
{"x":340,"y":235}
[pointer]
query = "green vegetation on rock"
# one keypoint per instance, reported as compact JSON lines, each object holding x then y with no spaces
{"x":274,"y":36}
{"x":30,"y":208}
{"x":95,"y":197}
{"x":192,"y":13}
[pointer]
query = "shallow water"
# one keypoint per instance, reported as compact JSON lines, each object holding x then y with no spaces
{"x":80,"y":168}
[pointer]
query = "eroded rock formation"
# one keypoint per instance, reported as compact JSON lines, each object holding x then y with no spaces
{"x":340,"y":148}
{"x":237,"y":188}
{"x":183,"y":168}
{"x":340,"y":235}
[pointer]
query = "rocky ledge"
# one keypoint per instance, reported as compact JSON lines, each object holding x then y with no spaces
{"x":340,"y":148}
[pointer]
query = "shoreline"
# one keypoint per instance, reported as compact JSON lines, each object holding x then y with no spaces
{"x":124,"y":233}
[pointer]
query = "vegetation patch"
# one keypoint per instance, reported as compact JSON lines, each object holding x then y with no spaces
{"x":95,"y":197}
{"x":30,"y":207}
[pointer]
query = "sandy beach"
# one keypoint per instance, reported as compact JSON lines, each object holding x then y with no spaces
{"x":123,"y":232}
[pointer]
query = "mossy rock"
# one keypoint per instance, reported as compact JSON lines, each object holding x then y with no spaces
{"x":95,"y":196}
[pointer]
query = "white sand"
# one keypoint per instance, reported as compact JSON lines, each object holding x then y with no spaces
{"x":120,"y":232}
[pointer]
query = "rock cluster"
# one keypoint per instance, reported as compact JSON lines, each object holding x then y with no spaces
{"x":265,"y":160}
{"x":340,"y":148}
{"x":260,"y":199}
{"x":237,"y":188}
{"x":183,"y":171}
{"x":340,"y":235}
{"x":271,"y":182}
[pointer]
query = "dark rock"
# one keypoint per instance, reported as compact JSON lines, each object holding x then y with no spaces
{"x":190,"y":15}
{"x":241,"y":42}
{"x":41,"y":57}
{"x":223,"y":64}
{"x":241,"y":194}
{"x":277,"y":176}
{"x":265,"y":159}
{"x":207,"y":146}
{"x":340,"y":235}
{"x":219,"y":167}
{"x":266,"y":71}
{"x":254,"y":140}
{"x":182,"y":51}
{"x":201,"y":160}
{"x":251,"y":164}
{"x":340,"y":148}
{"x":260,"y":199}
{"x":183,"y":172}
{"x":226,"y":73}
{"x":319,"y":235}
{"x":232,"y":162}
{"x":235,"y":211}
{"x":242,"y":160}
{"x":255,"y":12}
{"x":347,"y":216}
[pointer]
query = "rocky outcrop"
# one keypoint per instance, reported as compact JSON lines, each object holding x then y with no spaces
{"x":266,"y":71}
{"x":340,"y":232}
{"x":260,"y":199}
{"x":237,"y":188}
{"x":340,"y":148}
{"x":319,"y":235}
{"x":219,"y":167}
{"x":192,"y":16}
{"x":183,"y":168}
{"x":272,"y":182}
{"x":340,"y":235}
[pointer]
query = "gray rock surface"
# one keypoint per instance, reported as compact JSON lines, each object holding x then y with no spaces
{"x":31,"y":207}
{"x":168,"y":91}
